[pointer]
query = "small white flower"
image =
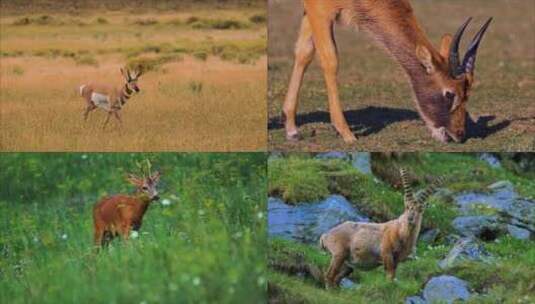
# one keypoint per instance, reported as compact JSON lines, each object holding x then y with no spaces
{"x":84,"y":156}
{"x":231,"y":290}
{"x":134,"y":234}
{"x":166,"y":202}
{"x":35,"y":239}
{"x":201,"y":212}
{"x":196,"y":281}
{"x":64,"y":236}
{"x":260,"y":215}
{"x":261,"y":281}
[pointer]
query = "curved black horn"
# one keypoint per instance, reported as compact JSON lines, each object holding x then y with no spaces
{"x":469,"y":62}
{"x":455,"y":63}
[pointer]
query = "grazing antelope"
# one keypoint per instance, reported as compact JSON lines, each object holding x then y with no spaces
{"x":117,"y":215}
{"x":367,"y":245}
{"x":440,"y":81}
{"x":108,"y":97}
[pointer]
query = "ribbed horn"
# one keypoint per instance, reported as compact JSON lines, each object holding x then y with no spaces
{"x":423,"y":196}
{"x":407,"y":189}
{"x":469,"y":62}
{"x":455,"y":62}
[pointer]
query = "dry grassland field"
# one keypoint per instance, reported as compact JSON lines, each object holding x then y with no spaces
{"x":375,"y":93}
{"x":204,"y":84}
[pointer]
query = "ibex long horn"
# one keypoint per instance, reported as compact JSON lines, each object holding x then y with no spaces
{"x":423,"y":196}
{"x":469,"y":62}
{"x":407,"y":189}
{"x":455,"y":62}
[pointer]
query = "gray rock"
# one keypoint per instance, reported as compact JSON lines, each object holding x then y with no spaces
{"x":446,"y":289}
{"x":307,"y":221}
{"x":484,"y":227}
{"x":429,"y":236}
{"x":415,"y":300}
{"x":492,"y":160}
{"x":518,"y":233}
{"x":465,"y":249}
{"x":362,"y":162}
{"x":347,"y":284}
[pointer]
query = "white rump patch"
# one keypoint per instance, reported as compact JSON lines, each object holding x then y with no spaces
{"x":82,"y":89}
{"x":101,"y":101}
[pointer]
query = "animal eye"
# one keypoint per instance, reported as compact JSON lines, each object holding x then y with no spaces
{"x":145,"y":188}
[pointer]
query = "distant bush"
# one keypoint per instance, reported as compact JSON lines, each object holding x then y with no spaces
{"x":101,"y":20}
{"x":86,"y":60}
{"x":195,"y":86}
{"x":216,"y":24}
{"x":145,"y":22}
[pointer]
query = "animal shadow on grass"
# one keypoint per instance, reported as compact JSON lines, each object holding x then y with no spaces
{"x":367,"y":121}
{"x":481,"y":128}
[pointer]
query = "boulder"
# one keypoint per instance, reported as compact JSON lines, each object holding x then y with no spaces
{"x":445,"y":289}
{"x":306,"y":222}
{"x":415,"y":300}
{"x":362,"y":162}
{"x":490,"y":159}
{"x":484,"y":227}
{"x":334,"y":155}
{"x":465,"y":249}
{"x":347,"y":284}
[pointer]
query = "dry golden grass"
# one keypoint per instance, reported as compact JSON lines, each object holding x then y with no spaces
{"x":41,"y":109}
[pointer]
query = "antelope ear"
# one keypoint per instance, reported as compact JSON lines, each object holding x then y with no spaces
{"x":445,"y":44}
{"x":425,"y":58}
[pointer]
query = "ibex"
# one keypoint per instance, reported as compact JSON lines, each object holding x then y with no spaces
{"x":108,"y":97}
{"x":367,"y":245}
{"x":440,"y":81}
{"x":118,"y":214}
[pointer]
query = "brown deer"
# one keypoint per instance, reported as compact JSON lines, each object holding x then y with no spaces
{"x":440,"y":81}
{"x":367,"y":245}
{"x":117,"y":215}
{"x":108,"y":97}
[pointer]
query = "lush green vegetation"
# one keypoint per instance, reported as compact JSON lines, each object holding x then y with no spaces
{"x":303,"y":178}
{"x":206,"y":246}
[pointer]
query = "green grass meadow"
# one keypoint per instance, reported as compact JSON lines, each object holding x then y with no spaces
{"x":206,"y":246}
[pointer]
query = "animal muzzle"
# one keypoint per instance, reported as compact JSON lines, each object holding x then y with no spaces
{"x":156,"y":197}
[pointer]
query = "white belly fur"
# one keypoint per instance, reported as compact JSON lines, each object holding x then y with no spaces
{"x":101,"y":101}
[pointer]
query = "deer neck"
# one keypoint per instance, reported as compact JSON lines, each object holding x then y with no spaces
{"x":400,"y":39}
{"x":409,"y":231}
{"x":126,"y":93}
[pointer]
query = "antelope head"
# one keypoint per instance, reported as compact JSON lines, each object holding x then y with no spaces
{"x":415,"y":204}
{"x":131,"y":79}
{"x":443,"y":98}
{"x":146,"y":185}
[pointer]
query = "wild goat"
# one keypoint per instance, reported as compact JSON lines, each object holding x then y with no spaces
{"x":440,"y":81}
{"x":108,"y":97}
{"x":367,"y":245}
{"x":117,"y":215}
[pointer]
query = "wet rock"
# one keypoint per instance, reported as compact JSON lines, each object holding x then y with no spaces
{"x":465,"y":249}
{"x":307,"y":221}
{"x":362,"y":162}
{"x":415,"y":300}
{"x":484,"y":227}
{"x":518,"y":233}
{"x":429,"y":236}
{"x":347,"y":284}
{"x":445,"y":289}
{"x":492,"y":160}
{"x":334,"y":155}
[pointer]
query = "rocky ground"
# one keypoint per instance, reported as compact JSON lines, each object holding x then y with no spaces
{"x":476,"y":241}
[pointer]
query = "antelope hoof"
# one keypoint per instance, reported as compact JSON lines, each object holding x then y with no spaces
{"x":349,"y":138}
{"x":293,"y":137}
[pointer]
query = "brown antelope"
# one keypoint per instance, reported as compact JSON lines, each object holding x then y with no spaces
{"x":117,"y":215}
{"x":440,"y":81}
{"x":110,"y":98}
{"x":367,"y":245}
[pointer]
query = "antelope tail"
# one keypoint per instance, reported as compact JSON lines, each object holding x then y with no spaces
{"x":82,"y":89}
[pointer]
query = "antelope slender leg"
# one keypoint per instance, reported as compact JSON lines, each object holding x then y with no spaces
{"x":118,"y":116}
{"x":107,"y":120}
{"x":322,"y":29}
{"x":304,"y":53}
{"x":98,"y":237}
{"x":88,"y":109}
{"x":334,"y":268}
